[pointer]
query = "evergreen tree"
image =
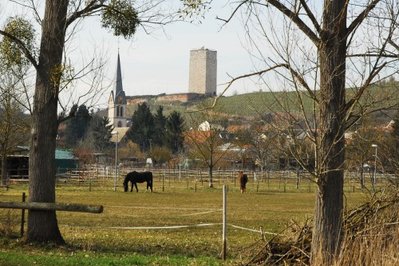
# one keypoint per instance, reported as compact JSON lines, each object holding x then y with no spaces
{"x":99,"y":133}
{"x":77,"y":127}
{"x":174,"y":132}
{"x":159,"y":126}
{"x":141,"y":131}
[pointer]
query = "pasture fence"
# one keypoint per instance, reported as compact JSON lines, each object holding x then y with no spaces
{"x":194,"y":179}
{"x":96,"y":175}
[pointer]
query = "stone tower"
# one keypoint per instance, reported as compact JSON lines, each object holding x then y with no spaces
{"x":117,"y":101}
{"x":202,"y":73}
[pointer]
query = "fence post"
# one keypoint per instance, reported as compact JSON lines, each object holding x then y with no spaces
{"x":297,"y":178}
{"x":23,"y":215}
{"x":224,"y":227}
{"x":268,"y":179}
{"x":163,"y":182}
{"x":285,"y":173}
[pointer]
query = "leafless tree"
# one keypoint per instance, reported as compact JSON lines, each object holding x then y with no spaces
{"x":331,"y":53}
{"x":14,"y":124}
{"x":204,"y":143}
{"x":14,"y":69}
{"x":59,"y":19}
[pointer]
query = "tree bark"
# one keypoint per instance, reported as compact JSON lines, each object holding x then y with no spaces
{"x":4,"y":172}
{"x":42,"y":225}
{"x":327,"y":232}
{"x":210,"y":169}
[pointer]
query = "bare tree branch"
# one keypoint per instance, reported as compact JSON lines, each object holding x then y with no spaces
{"x":90,"y":8}
{"x":295,"y":18}
{"x":350,"y":104}
{"x":396,"y":46}
{"x":359,"y":19}
{"x":232,"y":13}
{"x":311,"y":16}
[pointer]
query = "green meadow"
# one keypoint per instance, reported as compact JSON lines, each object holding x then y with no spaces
{"x":180,"y":223}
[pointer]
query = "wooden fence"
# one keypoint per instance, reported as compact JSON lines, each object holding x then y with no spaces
{"x":48,"y":206}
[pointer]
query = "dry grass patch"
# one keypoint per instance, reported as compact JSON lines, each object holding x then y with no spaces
{"x":371,"y":237}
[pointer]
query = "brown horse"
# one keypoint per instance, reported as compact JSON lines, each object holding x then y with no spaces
{"x":243,"y":181}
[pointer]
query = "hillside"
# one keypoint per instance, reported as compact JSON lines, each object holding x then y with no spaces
{"x":253,"y":105}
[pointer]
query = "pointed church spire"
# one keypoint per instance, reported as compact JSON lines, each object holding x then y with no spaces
{"x":120,"y":97}
{"x":119,"y":87}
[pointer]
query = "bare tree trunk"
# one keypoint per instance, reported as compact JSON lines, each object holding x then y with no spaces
{"x":4,"y":172}
{"x":210,"y":168}
{"x":328,"y":219}
{"x":42,"y":225}
{"x":362,"y":176}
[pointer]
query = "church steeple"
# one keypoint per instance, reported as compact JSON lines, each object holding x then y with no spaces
{"x":120,"y":97}
{"x":119,"y":86}
{"x":117,"y":101}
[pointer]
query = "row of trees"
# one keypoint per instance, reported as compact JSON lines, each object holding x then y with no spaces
{"x":90,"y":132}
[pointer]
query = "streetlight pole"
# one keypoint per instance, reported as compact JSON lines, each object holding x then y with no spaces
{"x":116,"y":158}
{"x":375,"y":164}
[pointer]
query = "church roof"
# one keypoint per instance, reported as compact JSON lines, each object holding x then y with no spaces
{"x":121,"y":133}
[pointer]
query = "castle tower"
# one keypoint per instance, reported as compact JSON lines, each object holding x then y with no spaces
{"x":202,"y":73}
{"x":117,"y":101}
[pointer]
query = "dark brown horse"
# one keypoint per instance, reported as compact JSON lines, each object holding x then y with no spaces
{"x":243,"y":178}
{"x":137,"y":177}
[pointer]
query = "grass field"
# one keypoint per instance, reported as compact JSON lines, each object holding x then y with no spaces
{"x":112,"y":237}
